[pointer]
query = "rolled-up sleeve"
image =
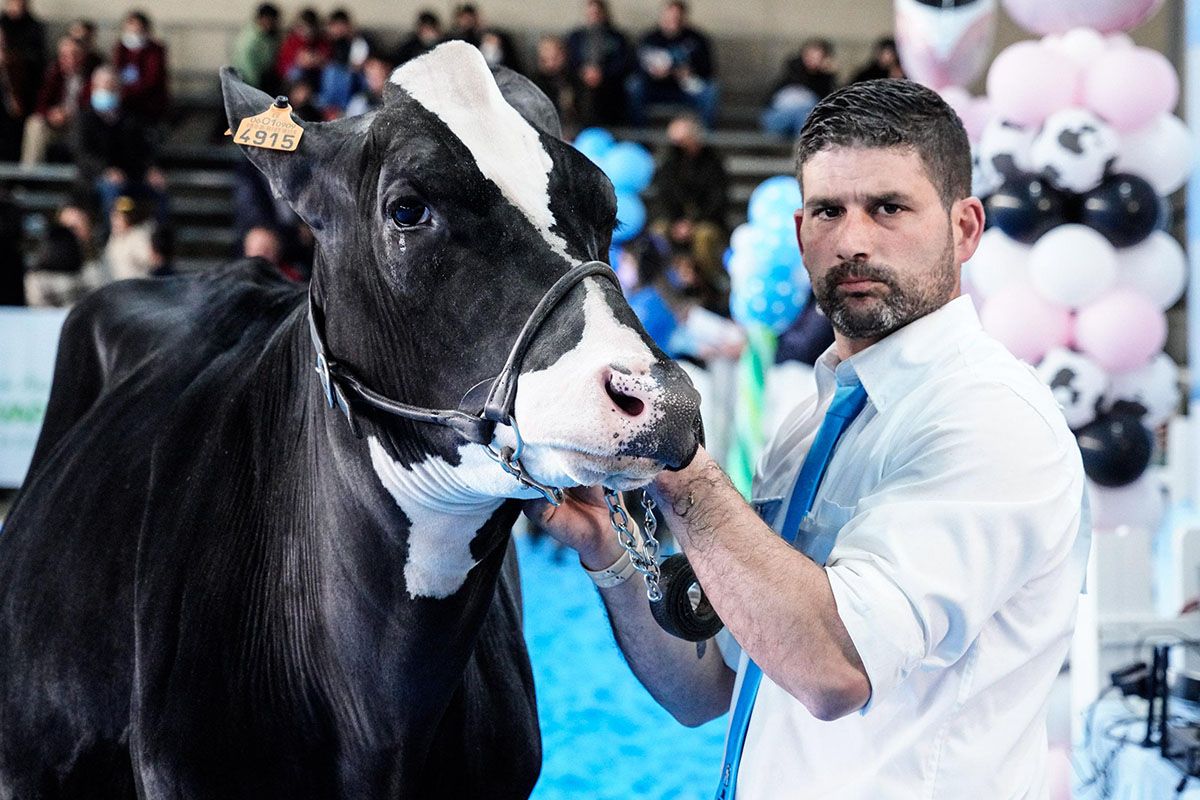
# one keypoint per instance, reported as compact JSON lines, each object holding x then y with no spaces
{"x":974,"y":507}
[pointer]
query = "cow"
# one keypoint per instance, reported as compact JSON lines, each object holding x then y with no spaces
{"x":255,"y":556}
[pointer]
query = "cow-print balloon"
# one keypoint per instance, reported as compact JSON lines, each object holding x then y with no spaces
{"x":1076,"y":382}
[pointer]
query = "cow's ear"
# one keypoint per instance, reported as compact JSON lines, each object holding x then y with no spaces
{"x":312,"y":178}
{"x":530,"y":101}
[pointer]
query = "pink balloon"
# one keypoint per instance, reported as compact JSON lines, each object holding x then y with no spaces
{"x":973,"y":111}
{"x":1121,"y":330}
{"x":1029,"y":81}
{"x":1026,"y":324}
{"x":1059,"y":16}
{"x":1130,"y":87}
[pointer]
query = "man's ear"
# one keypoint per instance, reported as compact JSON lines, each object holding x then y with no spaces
{"x":798,"y":215}
{"x":315,"y":178}
{"x":967,"y":219}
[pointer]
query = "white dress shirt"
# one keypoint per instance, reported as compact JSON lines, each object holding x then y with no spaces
{"x":956,"y":512}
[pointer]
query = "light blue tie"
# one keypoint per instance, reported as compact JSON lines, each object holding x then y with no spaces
{"x":848,"y":400}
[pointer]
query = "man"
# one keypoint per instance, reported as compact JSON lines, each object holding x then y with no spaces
{"x":675,"y":66}
{"x":601,"y":57}
{"x":807,"y":77}
{"x":690,"y":198}
{"x":25,"y":51}
{"x":142,"y":64}
{"x":65,"y":89}
{"x":426,"y":35}
{"x":912,"y":654}
{"x":257,"y":47}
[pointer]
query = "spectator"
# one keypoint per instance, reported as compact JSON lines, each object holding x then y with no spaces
{"x":807,"y":77}
{"x":426,"y":34}
{"x":127,"y":252}
{"x":496,"y":45}
{"x":675,"y":65}
{"x":57,"y":278}
{"x":77,"y":216}
{"x":25,"y":41}
{"x":689,"y":194}
{"x":141,"y":62}
{"x":162,"y":251}
{"x":884,"y":63}
{"x":302,"y":96}
{"x":342,"y":77}
{"x":12,"y":265}
{"x":264,"y":243}
{"x":12,"y":111}
{"x":601,"y":57}
{"x":556,"y":79}
{"x":257,"y":48}
{"x":304,"y":52}
{"x":376,"y":72}
{"x":113,"y":148}
{"x":65,"y":89}
{"x":84,"y":32}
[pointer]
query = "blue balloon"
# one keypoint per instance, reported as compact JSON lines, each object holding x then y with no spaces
{"x":764,"y":302}
{"x":654,"y":315}
{"x":629,"y":166}
{"x":774,"y":202}
{"x":631,"y":216}
{"x":594,"y":143}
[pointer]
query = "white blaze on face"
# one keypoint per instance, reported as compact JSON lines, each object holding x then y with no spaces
{"x":454,"y":82}
{"x":446,"y":506}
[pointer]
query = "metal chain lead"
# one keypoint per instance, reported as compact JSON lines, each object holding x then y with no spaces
{"x":643,"y":551}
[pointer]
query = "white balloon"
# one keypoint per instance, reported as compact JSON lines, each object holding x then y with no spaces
{"x":1077,"y":383}
{"x":984,"y":178}
{"x":1138,"y":505}
{"x":1072,"y":265}
{"x":1005,"y":147}
{"x":1073,"y":149}
{"x":1156,"y":267}
{"x":1081,"y":44}
{"x":998,"y":262}
{"x":1151,"y":391}
{"x":1120,"y":41}
{"x":1163,"y":153}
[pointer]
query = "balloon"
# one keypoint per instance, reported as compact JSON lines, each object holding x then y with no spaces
{"x":1116,"y":449}
{"x":1130,"y":87}
{"x":1163,"y":152}
{"x":774,"y":200}
{"x":1072,"y":265}
{"x":942,"y":46}
{"x":1124,"y":208}
{"x":1025,"y":207}
{"x":1028,"y":82}
{"x":1077,"y":383}
{"x":629,"y":166}
{"x":1157,"y":268}
{"x":1083,"y":45}
{"x":974,"y":112}
{"x":997,"y":262}
{"x":984,"y":178}
{"x":654,"y":314}
{"x":594,"y":143}
{"x":1073,"y":149}
{"x":1026,"y":324}
{"x":1150,"y":392}
{"x":767,"y":300}
{"x":1059,"y":16}
{"x":631,"y":216}
{"x":1121,"y":330}
{"x":1004,"y":146}
{"x":1139,"y":504}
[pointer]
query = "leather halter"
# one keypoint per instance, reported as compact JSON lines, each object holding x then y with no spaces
{"x":343,"y":389}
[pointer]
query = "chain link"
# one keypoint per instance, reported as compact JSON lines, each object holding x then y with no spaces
{"x":643,"y":549}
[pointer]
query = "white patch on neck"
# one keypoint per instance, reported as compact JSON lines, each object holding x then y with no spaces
{"x":445,"y":510}
{"x":453,"y":81}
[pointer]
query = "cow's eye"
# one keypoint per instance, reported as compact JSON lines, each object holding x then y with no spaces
{"x":408,"y":213}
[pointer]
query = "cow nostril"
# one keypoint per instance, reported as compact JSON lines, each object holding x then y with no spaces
{"x":627,"y":403}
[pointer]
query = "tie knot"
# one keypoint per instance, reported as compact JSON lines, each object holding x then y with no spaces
{"x":848,"y":400}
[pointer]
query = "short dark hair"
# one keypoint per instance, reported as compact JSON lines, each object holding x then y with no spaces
{"x":340,"y":15}
{"x":142,"y":19}
{"x":269,"y":10}
{"x":893,"y":113}
{"x":680,"y":4}
{"x":429,"y":18}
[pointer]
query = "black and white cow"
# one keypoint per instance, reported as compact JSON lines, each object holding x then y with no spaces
{"x":210,"y":588}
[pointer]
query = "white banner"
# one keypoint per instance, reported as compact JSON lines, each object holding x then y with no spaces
{"x":28,"y":342}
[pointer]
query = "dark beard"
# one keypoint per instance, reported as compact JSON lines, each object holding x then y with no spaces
{"x":897,"y":305}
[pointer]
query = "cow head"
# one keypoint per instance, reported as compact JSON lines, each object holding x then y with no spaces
{"x":441,"y":220}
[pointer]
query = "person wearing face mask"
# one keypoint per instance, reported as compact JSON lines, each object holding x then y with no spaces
{"x":113,"y":148}
{"x":141,"y":63}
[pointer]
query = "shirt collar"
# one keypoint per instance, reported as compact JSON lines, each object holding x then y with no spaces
{"x":897,"y":363}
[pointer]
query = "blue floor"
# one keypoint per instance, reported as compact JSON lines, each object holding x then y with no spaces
{"x":603,"y":736}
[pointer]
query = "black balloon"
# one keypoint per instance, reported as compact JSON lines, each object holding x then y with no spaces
{"x":1124,"y":208}
{"x":1116,"y":449}
{"x":1026,"y":206}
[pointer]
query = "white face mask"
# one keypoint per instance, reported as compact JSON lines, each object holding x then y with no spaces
{"x":133,"y":41}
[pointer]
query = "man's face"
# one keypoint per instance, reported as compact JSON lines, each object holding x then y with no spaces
{"x":671,"y":21}
{"x":70,"y":56}
{"x":14,"y":8}
{"x":594,"y":14}
{"x":879,"y":246}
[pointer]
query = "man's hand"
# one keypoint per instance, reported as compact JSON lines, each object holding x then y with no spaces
{"x":581,"y":523}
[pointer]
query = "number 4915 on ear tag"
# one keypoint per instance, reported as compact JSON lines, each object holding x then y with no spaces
{"x":273,"y":129}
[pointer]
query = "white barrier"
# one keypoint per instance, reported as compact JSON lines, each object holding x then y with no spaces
{"x":28,"y":342}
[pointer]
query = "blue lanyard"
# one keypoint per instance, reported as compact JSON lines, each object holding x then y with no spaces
{"x":848,"y":401}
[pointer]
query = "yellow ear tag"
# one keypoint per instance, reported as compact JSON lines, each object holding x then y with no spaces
{"x":273,"y":129}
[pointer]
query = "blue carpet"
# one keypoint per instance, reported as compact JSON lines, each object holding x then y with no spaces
{"x":603,"y":736}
